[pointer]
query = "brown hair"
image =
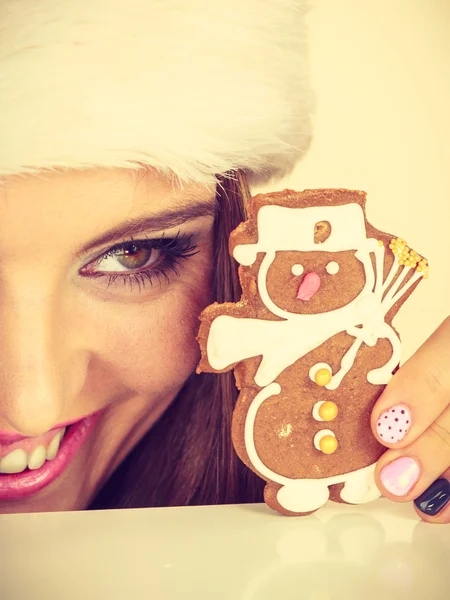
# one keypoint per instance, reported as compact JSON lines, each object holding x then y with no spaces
{"x":187,"y":457}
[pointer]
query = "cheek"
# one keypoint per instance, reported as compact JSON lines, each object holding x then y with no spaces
{"x":153,"y":349}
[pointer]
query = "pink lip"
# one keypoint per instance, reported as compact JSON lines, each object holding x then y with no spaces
{"x":22,"y":485}
{"x":7,"y":437}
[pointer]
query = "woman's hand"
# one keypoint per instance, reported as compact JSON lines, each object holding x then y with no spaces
{"x":412,"y":418}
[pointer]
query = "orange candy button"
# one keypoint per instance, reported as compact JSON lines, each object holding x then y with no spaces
{"x":328,"y":411}
{"x":328,"y":444}
{"x":322,"y":377}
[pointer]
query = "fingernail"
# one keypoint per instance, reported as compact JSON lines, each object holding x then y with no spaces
{"x":435,"y":498}
{"x":393,"y":424}
{"x":399,"y":476}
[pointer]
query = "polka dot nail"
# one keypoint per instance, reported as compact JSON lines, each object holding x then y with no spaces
{"x":393,"y":424}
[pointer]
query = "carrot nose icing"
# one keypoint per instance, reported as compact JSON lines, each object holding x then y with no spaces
{"x":308,"y":287}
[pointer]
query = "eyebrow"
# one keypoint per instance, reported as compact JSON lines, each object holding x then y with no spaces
{"x":156,"y":222}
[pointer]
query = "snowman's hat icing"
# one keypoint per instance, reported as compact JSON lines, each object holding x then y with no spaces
{"x":282,"y":228}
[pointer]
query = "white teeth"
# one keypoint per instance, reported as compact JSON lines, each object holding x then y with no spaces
{"x":37,"y":458}
{"x":53,"y":447}
{"x":14,"y":462}
{"x":18,"y":460}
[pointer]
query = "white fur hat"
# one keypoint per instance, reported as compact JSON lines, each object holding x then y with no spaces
{"x":192,"y":87}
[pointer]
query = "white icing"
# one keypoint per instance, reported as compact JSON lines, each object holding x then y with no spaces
{"x":271,"y":390}
{"x":383,"y":375}
{"x":281,"y":343}
{"x":394,"y":268}
{"x":297,"y":270}
{"x":346,"y":364}
{"x":367,"y":305}
{"x":313,"y":370}
{"x":360,"y":487}
{"x":283,"y":228}
{"x":379,"y":252}
{"x":397,"y":283}
{"x":262,"y":288}
{"x":304,"y":495}
{"x":319,"y":435}
{"x":297,"y":497}
{"x":244,"y":257}
{"x":404,"y":289}
{"x":332,"y":268}
{"x":364,"y":257}
{"x":315,"y":411}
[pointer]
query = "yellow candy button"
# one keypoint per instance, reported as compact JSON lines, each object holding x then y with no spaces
{"x":328,"y":444}
{"x":322,"y":377}
{"x":328,"y":411}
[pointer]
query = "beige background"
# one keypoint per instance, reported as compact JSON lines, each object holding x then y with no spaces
{"x":381,"y":72}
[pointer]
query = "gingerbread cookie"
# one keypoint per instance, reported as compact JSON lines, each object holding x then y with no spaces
{"x":311,"y":343}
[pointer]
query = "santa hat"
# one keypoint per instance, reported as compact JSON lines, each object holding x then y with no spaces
{"x":192,"y":87}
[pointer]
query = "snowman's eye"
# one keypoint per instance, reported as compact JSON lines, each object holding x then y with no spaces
{"x":297,"y":270}
{"x":332,"y":268}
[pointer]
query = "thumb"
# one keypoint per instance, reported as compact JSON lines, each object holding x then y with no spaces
{"x":417,"y":394}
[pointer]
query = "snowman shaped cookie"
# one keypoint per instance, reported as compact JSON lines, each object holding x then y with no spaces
{"x":311,"y":342}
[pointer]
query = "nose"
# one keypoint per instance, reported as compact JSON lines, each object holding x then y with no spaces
{"x":308,"y":287}
{"x":41,"y":370}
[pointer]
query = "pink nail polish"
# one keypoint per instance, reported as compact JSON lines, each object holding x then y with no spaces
{"x":394,"y":423}
{"x":399,"y":476}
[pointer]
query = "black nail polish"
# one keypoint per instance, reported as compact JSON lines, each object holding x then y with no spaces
{"x":435,"y":498}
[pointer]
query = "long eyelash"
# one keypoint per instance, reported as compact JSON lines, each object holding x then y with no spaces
{"x":142,"y":278}
{"x":177,"y":248}
{"x":180,"y":246}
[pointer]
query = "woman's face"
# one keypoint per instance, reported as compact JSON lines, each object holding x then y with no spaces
{"x":103,"y":274}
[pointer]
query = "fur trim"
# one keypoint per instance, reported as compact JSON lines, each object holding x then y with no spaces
{"x":192,"y":87}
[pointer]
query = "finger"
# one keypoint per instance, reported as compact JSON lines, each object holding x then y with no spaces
{"x":418,"y":393}
{"x":433,"y":505}
{"x":404,"y":474}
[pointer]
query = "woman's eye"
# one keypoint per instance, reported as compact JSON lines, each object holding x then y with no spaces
{"x":141,"y":262}
{"x":128,"y":258}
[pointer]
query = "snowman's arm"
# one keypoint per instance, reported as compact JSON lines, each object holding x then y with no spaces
{"x":346,"y":364}
{"x":397,"y":291}
{"x":233,"y":339}
{"x":379,"y":253}
{"x":348,"y":360}
{"x":383,"y":374}
{"x":365,"y":334}
{"x":362,"y":334}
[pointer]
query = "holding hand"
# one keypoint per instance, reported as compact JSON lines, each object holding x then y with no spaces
{"x":412,"y":418}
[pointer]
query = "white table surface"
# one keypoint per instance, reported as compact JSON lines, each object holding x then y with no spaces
{"x":377,"y":551}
